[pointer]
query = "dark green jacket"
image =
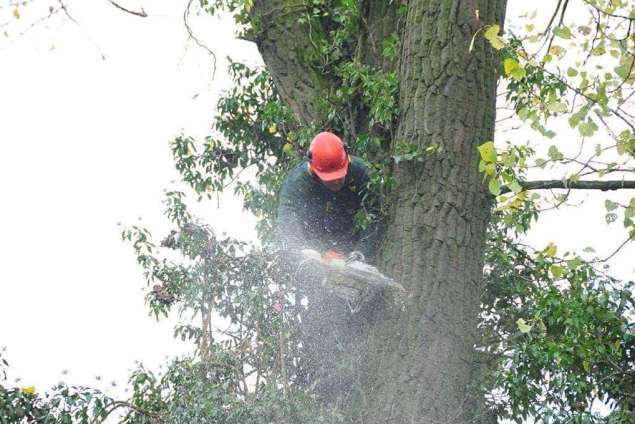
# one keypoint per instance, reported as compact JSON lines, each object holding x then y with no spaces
{"x":310,"y":216}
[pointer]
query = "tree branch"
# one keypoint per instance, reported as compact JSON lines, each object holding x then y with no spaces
{"x":285,"y":41}
{"x":142,"y":13}
{"x":190,"y":33}
{"x":575,"y":185}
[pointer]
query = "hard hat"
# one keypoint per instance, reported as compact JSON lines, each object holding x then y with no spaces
{"x":328,"y":157}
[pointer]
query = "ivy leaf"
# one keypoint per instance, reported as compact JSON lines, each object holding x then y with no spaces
{"x":487,"y":151}
{"x":610,"y":205}
{"x":523,"y":326}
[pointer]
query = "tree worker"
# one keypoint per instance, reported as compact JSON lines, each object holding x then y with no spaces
{"x":319,"y":201}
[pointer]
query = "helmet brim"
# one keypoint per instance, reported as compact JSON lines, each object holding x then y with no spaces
{"x":333,"y":175}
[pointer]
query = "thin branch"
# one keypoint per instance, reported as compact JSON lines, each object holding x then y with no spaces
{"x":588,"y":97}
{"x":68,"y":15}
{"x":574,"y":185}
{"x":616,"y":250}
{"x":142,"y":13}
{"x":604,"y":12}
{"x":186,"y":17}
{"x":52,"y":11}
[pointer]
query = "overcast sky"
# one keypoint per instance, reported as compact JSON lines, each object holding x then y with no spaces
{"x":85,"y":146}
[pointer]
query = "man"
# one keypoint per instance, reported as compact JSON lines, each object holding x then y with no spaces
{"x":318,"y":203}
{"x":320,"y":199}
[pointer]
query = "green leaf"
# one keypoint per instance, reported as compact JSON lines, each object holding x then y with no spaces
{"x":572,"y":72}
{"x":509,"y":65}
{"x":557,"y":107}
{"x":556,"y":271}
{"x":562,"y":32}
{"x":494,"y":187}
{"x":554,"y":154}
{"x":588,"y":128}
{"x":623,"y":71}
{"x":610,"y":205}
{"x":598,"y":51}
{"x":550,"y":251}
{"x":523,"y":326}
{"x":491,"y":35}
{"x":288,"y":149}
{"x":487,"y":151}
{"x":557,"y":51}
{"x":515,"y":187}
{"x":518,"y":74}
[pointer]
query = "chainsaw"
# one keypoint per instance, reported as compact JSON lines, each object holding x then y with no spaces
{"x":352,"y":279}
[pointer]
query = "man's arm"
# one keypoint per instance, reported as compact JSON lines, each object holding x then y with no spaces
{"x":290,"y":231}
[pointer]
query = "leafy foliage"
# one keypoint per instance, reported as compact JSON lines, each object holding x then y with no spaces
{"x":560,"y":332}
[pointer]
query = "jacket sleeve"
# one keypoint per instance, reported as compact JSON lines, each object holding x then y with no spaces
{"x":370,"y":237}
{"x":289,"y":226}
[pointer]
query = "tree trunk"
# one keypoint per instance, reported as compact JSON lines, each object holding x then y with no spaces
{"x":420,"y":366}
{"x":421,"y":355}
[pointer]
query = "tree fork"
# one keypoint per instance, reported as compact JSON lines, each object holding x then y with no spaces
{"x":284,"y":42}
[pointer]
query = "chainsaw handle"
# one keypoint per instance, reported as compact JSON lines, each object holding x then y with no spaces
{"x":355,"y":256}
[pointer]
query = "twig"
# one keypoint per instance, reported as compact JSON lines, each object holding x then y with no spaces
{"x":68,"y":15}
{"x":615,"y":252}
{"x":52,"y":11}
{"x":191,"y":36}
{"x":142,"y":13}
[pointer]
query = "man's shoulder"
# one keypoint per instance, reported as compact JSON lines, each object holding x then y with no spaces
{"x":358,"y":163}
{"x":358,"y":168}
{"x":298,"y":176}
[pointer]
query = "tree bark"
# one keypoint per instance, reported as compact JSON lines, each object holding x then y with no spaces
{"x":284,"y":41}
{"x":422,"y":355}
{"x":420,"y":364}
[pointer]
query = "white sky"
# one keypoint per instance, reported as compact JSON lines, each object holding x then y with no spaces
{"x":84,"y":145}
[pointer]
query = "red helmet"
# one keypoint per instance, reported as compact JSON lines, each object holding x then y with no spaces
{"x":328,"y":157}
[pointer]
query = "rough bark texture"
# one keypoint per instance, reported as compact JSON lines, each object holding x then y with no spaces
{"x":422,"y":355}
{"x":284,"y":43}
{"x":420,"y":364}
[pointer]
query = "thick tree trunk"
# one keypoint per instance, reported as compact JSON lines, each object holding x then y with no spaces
{"x":420,"y":365}
{"x":421,"y":355}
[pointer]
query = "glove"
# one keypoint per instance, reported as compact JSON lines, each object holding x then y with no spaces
{"x":330,"y":255}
